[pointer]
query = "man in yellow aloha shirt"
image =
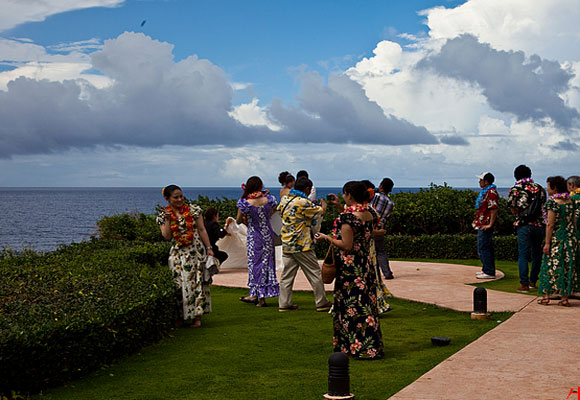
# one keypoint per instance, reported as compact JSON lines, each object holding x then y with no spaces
{"x":299,"y":215}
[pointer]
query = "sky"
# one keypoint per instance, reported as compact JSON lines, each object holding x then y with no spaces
{"x":145,"y":93}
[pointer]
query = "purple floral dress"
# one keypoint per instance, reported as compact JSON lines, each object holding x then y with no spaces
{"x":260,"y":246}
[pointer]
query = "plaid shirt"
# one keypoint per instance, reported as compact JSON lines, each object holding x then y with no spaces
{"x":383,"y":204}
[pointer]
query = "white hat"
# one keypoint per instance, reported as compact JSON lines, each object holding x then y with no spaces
{"x":482,"y":175}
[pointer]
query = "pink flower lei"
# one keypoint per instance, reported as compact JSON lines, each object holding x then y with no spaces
{"x":357,"y":208}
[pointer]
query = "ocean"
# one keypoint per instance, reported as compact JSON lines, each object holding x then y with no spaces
{"x":44,"y":218}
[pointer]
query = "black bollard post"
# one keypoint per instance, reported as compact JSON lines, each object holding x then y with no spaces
{"x":479,"y":304}
{"x":338,"y":377}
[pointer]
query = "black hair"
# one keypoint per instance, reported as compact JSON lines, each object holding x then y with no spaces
{"x":558,"y":183}
{"x":168,"y":190}
{"x":387,"y":185}
{"x":357,"y":190}
{"x":253,"y":184}
{"x":210,"y":213}
{"x":302,"y":183}
{"x":522,"y":171}
{"x":370,"y":189}
{"x":489,"y":178}
{"x":368,"y":184}
{"x":574,"y":180}
{"x":302,"y":173}
{"x":285,"y":178}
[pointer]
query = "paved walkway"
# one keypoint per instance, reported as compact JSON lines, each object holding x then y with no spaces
{"x":533,"y":355}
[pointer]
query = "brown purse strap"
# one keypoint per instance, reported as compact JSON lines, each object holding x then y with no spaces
{"x":331,"y":251}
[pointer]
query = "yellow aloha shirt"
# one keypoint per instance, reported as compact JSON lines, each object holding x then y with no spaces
{"x":299,"y":215}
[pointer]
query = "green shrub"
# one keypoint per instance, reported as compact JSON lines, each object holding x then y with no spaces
{"x":441,"y":210}
{"x":439,"y":247}
{"x":70,"y":311}
{"x":135,"y":226}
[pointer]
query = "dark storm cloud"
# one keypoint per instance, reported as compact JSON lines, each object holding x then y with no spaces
{"x":528,"y":88}
{"x":156,"y":101}
{"x":453,"y":140}
{"x":566,"y":145}
{"x":340,"y":112}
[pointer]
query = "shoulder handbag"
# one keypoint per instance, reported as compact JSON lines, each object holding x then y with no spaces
{"x":329,"y":266}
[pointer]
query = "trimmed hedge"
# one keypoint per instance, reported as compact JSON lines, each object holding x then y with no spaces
{"x":459,"y":247}
{"x":65,"y":313}
{"x":448,"y":246}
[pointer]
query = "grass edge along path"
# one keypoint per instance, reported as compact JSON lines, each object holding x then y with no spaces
{"x":509,"y":283}
{"x":244,"y":352}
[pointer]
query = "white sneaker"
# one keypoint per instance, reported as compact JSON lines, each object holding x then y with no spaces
{"x":479,"y":273}
{"x":485,"y":276}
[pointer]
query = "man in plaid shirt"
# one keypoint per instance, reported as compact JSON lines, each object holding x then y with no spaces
{"x":383,"y":204}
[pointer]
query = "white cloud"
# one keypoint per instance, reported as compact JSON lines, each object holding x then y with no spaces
{"x":545,"y":27}
{"x":455,"y":107}
{"x":151,"y":113}
{"x":145,"y":98}
{"x":251,"y":114}
{"x":492,"y":126}
{"x":56,"y":72}
{"x":16,"y":12}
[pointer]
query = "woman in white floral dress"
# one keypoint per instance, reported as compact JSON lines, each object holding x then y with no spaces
{"x":183,"y":224}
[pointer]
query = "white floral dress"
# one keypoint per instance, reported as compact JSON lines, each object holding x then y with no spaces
{"x":186,"y":263}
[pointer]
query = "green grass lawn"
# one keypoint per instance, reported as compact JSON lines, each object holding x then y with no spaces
{"x":509,"y":283}
{"x":244,"y":352}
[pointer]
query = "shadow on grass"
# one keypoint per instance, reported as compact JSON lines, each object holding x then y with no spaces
{"x":244,"y":352}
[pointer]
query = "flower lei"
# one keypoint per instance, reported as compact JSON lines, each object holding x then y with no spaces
{"x":482,"y":194}
{"x":525,"y":180}
{"x":182,"y":240}
{"x":356,"y":208}
{"x":562,"y":196}
{"x":255,"y":195}
{"x":575,"y":191}
{"x":297,"y":192}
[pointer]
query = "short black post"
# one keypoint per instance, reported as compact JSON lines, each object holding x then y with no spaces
{"x":479,"y":304}
{"x":338,"y":377}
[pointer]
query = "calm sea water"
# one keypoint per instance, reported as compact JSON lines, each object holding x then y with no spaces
{"x":44,"y":218}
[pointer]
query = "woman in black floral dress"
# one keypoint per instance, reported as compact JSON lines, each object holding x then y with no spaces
{"x":357,"y":330}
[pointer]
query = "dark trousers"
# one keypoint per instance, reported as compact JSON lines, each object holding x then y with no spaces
{"x":382,"y":258}
{"x":530,"y":240}
{"x":220,"y":255}
{"x":486,"y":251}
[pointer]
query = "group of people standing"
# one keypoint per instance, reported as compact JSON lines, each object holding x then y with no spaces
{"x":359,"y":293}
{"x":548,"y":232}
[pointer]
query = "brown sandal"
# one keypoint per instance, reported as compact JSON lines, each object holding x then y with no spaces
{"x":544,"y":302}
{"x":564,"y":303}
{"x":261,"y":303}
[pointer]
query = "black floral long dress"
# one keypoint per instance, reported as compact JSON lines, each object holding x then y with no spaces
{"x":357,"y":330}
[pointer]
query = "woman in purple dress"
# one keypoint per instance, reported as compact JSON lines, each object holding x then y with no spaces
{"x":254,"y":209}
